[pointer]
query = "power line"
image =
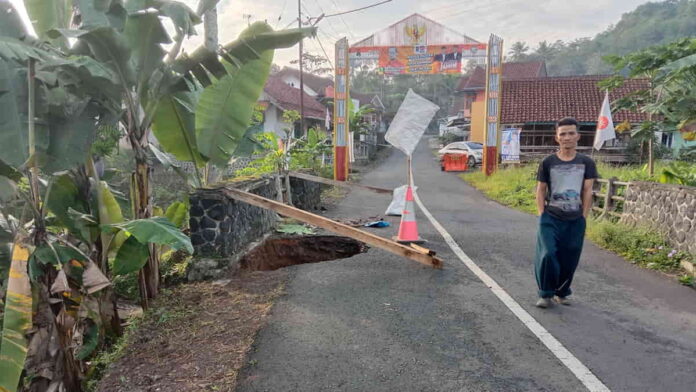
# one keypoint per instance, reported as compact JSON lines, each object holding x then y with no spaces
{"x":285,"y":2}
{"x":340,"y":15}
{"x":357,"y":9}
{"x":325,"y":55}
{"x":330,"y":25}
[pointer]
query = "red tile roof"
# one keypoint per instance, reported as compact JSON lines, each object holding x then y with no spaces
{"x":288,"y":98}
{"x":477,"y":79}
{"x":550,"y":99}
{"x":315,"y":82}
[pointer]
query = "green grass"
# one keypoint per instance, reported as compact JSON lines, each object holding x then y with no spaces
{"x":630,"y":172}
{"x":514,"y":187}
{"x":638,"y":245}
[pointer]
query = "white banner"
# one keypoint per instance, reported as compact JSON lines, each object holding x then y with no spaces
{"x":510,"y":145}
{"x":410,"y":122}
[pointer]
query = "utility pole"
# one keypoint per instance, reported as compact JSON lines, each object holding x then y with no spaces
{"x":299,"y":24}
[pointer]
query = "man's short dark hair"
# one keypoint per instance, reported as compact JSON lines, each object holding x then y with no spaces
{"x":567,"y":121}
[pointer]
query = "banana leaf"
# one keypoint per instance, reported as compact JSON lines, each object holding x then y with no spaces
{"x":131,"y":257}
{"x":174,"y":125}
{"x":177,"y":213}
{"x":157,"y":230}
{"x":10,"y":23}
{"x":225,"y":108}
{"x":49,"y":15}
{"x":17,"y":321}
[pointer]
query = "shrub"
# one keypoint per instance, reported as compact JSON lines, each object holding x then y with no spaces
{"x":639,"y":245}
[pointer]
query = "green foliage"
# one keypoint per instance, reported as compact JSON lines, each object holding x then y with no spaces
{"x":641,"y":246}
{"x":177,"y":213}
{"x":681,"y":173}
{"x":357,"y":120}
{"x":392,"y":90}
{"x":308,"y":152}
{"x":175,"y":128}
{"x":296,"y":229}
{"x":157,"y":230}
{"x":514,"y":187}
{"x":17,"y":320}
{"x":106,"y":142}
{"x":687,"y":280}
{"x":225,"y":108}
{"x":652,"y":23}
{"x":132,"y":256}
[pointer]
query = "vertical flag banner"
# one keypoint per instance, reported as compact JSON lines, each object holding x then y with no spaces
{"x":494,"y":75}
{"x":510,"y":145}
{"x":341,"y":115}
{"x":605,"y":124}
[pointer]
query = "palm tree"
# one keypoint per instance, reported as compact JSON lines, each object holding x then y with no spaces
{"x":518,"y":51}
{"x":545,"y":51}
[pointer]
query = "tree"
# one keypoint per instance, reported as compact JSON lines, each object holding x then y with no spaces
{"x":198,"y":105}
{"x":518,"y":51}
{"x":54,"y":99}
{"x":544,"y":51}
{"x":670,"y":99}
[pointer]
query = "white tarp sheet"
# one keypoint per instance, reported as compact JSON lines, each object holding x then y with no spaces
{"x":398,"y":201}
{"x":410,"y":122}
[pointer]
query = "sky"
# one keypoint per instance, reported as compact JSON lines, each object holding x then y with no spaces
{"x":531,"y":21}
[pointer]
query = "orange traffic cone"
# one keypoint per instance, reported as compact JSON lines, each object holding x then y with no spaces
{"x":408,"y":229}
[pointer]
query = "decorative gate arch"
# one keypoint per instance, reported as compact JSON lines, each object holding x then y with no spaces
{"x":416,"y":45}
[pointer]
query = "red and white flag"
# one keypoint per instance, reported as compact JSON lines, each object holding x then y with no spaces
{"x":605,"y":125}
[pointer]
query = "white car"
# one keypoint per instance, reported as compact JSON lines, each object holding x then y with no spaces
{"x":472,"y":149}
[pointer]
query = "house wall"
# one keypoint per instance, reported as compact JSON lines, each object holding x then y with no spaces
{"x":478,"y":114}
{"x":273,"y":121}
{"x":678,"y":143}
{"x":295,"y":82}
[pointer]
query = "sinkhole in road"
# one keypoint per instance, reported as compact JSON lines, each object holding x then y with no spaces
{"x":280,"y":252}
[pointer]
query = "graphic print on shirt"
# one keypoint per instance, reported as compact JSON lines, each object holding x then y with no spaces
{"x":566,"y":187}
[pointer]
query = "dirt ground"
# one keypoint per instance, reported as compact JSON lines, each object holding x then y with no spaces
{"x":197,"y":336}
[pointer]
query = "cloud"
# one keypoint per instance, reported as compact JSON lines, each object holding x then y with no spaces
{"x":515,"y":20}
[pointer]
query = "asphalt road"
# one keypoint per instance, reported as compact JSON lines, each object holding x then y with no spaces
{"x":377,"y":322}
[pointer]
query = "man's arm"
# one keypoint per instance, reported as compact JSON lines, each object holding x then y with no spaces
{"x":541,"y":196}
{"x":587,"y":197}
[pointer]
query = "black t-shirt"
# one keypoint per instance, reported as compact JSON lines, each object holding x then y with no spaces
{"x":565,"y":181}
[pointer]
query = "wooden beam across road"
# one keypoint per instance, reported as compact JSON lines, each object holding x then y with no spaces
{"x":338,"y":228}
{"x":344,"y":184}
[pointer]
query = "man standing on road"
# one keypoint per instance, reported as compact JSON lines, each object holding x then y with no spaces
{"x":564,"y":200}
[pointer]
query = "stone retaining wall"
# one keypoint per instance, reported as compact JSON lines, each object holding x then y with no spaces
{"x":669,"y":209}
{"x":221,"y":227}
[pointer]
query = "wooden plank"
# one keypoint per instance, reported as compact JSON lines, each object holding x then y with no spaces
{"x":622,"y":183}
{"x":603,"y":181}
{"x":616,"y":214}
{"x":619,"y":198}
{"x":423,"y":250}
{"x":338,"y":228}
{"x":343,"y":184}
{"x":598,"y":194}
{"x":597,"y":209}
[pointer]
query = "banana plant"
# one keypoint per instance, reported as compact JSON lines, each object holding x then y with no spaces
{"x":198,"y":105}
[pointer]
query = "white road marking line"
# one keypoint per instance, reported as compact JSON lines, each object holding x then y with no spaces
{"x":586,"y":377}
